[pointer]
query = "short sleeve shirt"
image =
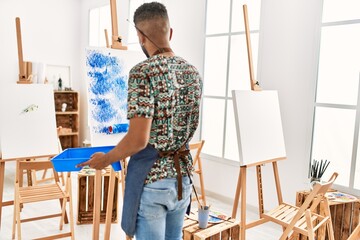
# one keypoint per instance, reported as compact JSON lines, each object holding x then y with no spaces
{"x":168,"y":90}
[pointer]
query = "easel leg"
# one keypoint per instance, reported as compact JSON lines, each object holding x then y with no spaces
{"x":277,"y":182}
{"x":97,"y":203}
{"x":243,"y":203}
{"x":122,"y":174}
{"x":241,"y":192}
{"x":2,"y":172}
{"x":109,"y":205}
{"x":237,"y":197}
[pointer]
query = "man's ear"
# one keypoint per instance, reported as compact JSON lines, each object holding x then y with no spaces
{"x":171,"y":32}
{"x":141,"y":37}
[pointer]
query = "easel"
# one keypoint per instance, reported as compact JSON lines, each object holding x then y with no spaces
{"x":116,"y":44}
{"x":241,"y":184}
{"x":116,"y":39}
{"x":97,"y":204}
{"x":24,"y":67}
{"x":24,"y":78}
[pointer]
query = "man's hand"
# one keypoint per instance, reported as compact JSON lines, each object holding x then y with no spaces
{"x":97,"y":161}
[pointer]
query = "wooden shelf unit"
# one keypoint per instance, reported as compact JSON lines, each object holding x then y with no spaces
{"x":69,"y":119}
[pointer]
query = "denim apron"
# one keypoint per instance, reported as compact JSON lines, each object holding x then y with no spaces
{"x":139,"y":166}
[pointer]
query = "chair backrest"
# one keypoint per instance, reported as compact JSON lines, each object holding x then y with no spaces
{"x":198,"y":147}
{"x":318,"y":192}
{"x":36,"y":165}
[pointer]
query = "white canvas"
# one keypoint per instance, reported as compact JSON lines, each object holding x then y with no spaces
{"x":107,"y":73}
{"x":28,"y":126}
{"x":258,"y":126}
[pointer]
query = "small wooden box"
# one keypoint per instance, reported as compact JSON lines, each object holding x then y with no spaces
{"x":86,"y":198}
{"x":225,"y":230}
{"x":344,"y":216}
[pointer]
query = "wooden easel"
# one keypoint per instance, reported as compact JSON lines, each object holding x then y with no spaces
{"x":241,"y":184}
{"x":116,"y":39}
{"x":24,"y":67}
{"x":24,"y":77}
{"x":97,"y":204}
{"x":116,"y":44}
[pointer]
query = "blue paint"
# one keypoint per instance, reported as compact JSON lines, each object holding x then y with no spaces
{"x":103,"y":111}
{"x":107,"y":92}
{"x":116,"y":128}
{"x":98,"y":60}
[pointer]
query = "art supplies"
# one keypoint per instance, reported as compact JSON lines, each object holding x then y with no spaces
{"x":340,"y":197}
{"x":318,"y":168}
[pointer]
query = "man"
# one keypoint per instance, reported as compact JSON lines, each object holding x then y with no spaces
{"x":163,"y":107}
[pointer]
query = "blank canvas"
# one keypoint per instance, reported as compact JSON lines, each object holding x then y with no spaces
{"x":28,"y":126}
{"x":107,"y":72}
{"x":258,"y":125}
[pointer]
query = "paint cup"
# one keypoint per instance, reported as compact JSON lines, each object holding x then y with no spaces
{"x":203,"y":216}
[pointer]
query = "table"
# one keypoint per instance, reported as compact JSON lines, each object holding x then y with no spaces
{"x":345,"y":216}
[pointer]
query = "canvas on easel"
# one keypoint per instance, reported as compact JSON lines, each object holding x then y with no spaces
{"x":28,"y":127}
{"x":259,"y":128}
{"x":107,"y":73}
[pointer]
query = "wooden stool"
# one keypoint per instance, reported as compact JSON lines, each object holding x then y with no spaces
{"x":225,"y":230}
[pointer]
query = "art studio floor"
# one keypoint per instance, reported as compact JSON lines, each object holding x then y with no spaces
{"x":42,"y":228}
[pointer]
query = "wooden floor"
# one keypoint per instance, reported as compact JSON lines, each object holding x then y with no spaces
{"x":37,"y":229}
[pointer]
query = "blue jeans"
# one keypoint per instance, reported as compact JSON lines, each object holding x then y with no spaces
{"x":161,"y":215}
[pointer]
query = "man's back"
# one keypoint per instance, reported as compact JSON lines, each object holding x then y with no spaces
{"x":167,"y":89}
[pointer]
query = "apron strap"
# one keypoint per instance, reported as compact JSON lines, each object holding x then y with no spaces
{"x":181,"y":152}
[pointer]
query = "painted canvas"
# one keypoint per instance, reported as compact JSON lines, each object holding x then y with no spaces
{"x":28,"y":125}
{"x":107,"y":72}
{"x":258,"y":126}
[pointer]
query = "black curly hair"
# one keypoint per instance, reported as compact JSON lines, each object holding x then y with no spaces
{"x":149,"y":11}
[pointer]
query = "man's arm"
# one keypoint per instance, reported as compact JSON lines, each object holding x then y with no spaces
{"x":135,"y":140}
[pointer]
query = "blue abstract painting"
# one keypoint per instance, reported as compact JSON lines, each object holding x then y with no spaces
{"x":107,"y":75}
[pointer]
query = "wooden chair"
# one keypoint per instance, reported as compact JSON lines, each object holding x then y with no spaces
{"x":39,"y":193}
{"x":355,"y":235}
{"x":198,"y":167}
{"x":303,"y":219}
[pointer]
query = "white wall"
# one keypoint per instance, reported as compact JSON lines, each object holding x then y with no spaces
{"x":50,"y":32}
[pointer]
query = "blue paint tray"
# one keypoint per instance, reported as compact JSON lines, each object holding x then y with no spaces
{"x":69,"y":158}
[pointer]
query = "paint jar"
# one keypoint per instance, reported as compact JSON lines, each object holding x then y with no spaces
{"x":313,"y":181}
{"x":203,"y":216}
